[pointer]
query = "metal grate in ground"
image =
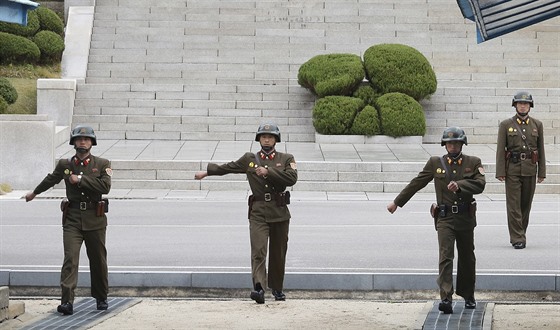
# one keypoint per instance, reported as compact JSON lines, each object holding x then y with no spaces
{"x":460,"y":319}
{"x":85,"y":314}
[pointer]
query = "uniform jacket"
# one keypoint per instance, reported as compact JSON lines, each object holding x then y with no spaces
{"x":96,"y":181}
{"x":469,"y":175}
{"x":509,"y":139}
{"x":282,"y":173}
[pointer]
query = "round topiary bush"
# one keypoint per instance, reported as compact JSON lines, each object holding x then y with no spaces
{"x":399,"y":68}
{"x":366,"y":122}
{"x":335,"y":114}
{"x":7,"y":91}
{"x":25,"y":31}
{"x":366,"y":93}
{"x":332,"y":74}
{"x":3,"y":105}
{"x":401,"y":115}
{"x":49,"y":20}
{"x":51,"y":46}
{"x":17,"y":49}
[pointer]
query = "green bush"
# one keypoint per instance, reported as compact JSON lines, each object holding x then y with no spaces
{"x":399,"y":68}
{"x":401,"y":115}
{"x":51,"y":46}
{"x":3,"y":105}
{"x":25,"y":31}
{"x":366,"y":93}
{"x":366,"y":122}
{"x":49,"y":21}
{"x":332,"y":74}
{"x":7,"y":91}
{"x":17,"y":49}
{"x":335,"y":114}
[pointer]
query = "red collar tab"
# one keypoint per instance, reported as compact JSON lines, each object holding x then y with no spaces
{"x":267,"y":156}
{"x":78,"y":161}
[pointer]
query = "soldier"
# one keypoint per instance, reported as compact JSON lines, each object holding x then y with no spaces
{"x":269,"y":172}
{"x":457,"y":177}
{"x":86,"y":178}
{"x":520,"y":162}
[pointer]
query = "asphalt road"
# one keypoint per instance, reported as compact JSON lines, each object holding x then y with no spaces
{"x":325,"y":236}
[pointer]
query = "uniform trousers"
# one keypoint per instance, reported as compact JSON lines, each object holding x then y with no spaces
{"x":466,"y":262}
{"x":519,"y":198}
{"x":274,"y":236}
{"x":97,"y":254}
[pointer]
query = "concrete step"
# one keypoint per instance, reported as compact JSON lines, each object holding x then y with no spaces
{"x":313,"y":176}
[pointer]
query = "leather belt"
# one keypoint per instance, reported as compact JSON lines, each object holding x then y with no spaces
{"x":521,"y":155}
{"x":267,"y":197}
{"x":457,"y":208}
{"x":83,"y":205}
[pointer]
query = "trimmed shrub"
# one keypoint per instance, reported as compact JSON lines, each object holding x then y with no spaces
{"x":401,"y":115}
{"x":49,"y":20}
{"x":16,"y":49}
{"x":3,"y":105}
{"x":399,"y":68}
{"x":7,"y":91}
{"x":332,"y":74}
{"x":51,"y":46}
{"x":366,"y":93}
{"x":335,"y":114}
{"x":366,"y":122}
{"x":25,"y":31}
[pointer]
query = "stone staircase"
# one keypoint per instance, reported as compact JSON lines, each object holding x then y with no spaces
{"x":375,"y":177}
{"x":214,"y":70}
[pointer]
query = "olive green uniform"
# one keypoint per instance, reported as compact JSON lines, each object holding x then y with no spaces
{"x":267,"y":220}
{"x":83,"y":225}
{"x":520,"y":171}
{"x":468,"y":172}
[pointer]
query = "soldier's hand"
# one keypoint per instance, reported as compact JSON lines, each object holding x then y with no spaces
{"x":29,"y":197}
{"x":540,"y":180}
{"x":501,"y":178}
{"x":453,"y":186}
{"x":262,"y":171}
{"x":200,"y":175}
{"x":392,"y":207}
{"x":73,"y":178}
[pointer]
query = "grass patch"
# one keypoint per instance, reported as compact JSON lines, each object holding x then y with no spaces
{"x":24,"y":78}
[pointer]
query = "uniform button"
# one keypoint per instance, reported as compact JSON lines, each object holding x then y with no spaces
{"x":454,"y":171}
{"x":266,"y":186}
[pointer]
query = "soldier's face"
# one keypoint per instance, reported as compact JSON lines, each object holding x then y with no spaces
{"x":523,"y":108}
{"x":82,"y":144}
{"x":453,"y":147}
{"x":267,"y":141}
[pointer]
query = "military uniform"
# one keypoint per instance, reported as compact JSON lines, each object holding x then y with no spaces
{"x":269,"y":216}
{"x":81,"y":222}
{"x":457,"y":220}
{"x":514,"y":162}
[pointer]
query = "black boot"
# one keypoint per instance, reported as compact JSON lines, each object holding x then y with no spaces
{"x":65,"y":308}
{"x":102,"y":304}
{"x":446,"y":306}
{"x":470,"y":303}
{"x":278,"y":295}
{"x":258,"y":296}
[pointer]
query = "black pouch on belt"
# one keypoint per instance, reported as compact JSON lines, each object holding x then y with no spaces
{"x":534,"y":156}
{"x":64,"y":205}
{"x":100,"y":210}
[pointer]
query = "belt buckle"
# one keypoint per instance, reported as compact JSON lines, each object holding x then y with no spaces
{"x":83,"y":206}
{"x":454,"y":209}
{"x":267,"y":197}
{"x":522,"y":156}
